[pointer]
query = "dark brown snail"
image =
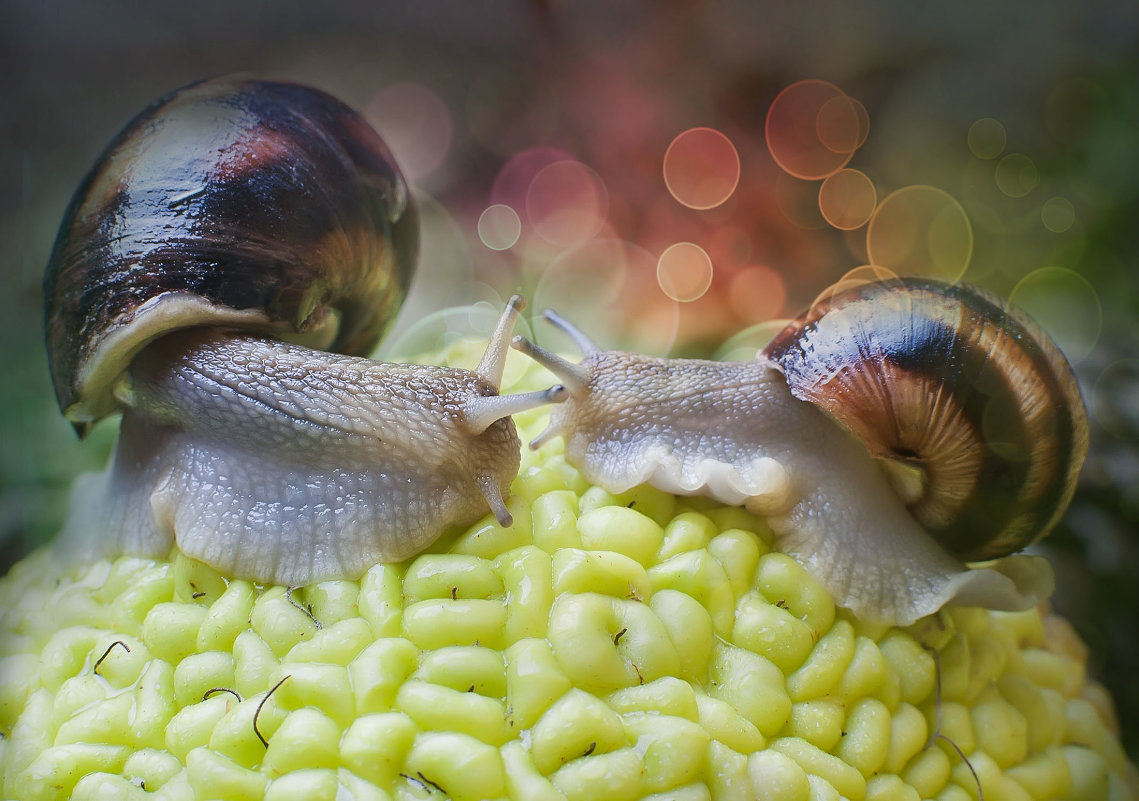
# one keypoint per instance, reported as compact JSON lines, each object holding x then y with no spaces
{"x":969,"y":406}
{"x":226,"y":218}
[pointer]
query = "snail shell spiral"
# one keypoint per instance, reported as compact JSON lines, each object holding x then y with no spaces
{"x":974,"y":409}
{"x":251,"y":204}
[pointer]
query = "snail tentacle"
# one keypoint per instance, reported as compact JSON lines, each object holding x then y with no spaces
{"x":575,"y":380}
{"x":492,"y":493}
{"x":493,"y":363}
{"x":574,"y":376}
{"x":579,"y":337}
{"x":481,"y":411}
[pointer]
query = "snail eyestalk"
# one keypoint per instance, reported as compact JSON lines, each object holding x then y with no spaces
{"x":575,"y":377}
{"x":493,"y":362}
{"x":481,"y":412}
{"x":583,"y":342}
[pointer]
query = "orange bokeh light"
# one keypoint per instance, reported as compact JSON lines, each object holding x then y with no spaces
{"x":813,"y":129}
{"x":847,"y":198}
{"x":701,"y":168}
{"x":684,"y":272}
{"x":757,"y":294}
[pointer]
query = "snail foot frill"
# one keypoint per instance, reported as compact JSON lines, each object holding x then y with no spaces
{"x":864,"y":546}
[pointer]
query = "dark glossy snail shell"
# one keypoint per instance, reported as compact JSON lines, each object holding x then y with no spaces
{"x":956,"y":384}
{"x":233,"y":202}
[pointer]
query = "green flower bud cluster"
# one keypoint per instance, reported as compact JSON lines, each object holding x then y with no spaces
{"x":637,"y":646}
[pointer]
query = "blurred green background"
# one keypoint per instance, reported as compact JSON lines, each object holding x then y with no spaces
{"x":1026,"y":114}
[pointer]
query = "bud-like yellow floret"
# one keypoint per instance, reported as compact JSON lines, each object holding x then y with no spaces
{"x":629,"y":646}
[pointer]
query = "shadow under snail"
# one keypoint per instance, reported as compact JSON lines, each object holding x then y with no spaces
{"x":961,"y":434}
{"x":225,"y":219}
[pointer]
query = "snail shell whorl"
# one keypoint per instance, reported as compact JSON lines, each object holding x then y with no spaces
{"x":952,"y":381}
{"x":234,"y":202}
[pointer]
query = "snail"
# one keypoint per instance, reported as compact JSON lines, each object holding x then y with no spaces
{"x":229,"y":238}
{"x":961,"y":432}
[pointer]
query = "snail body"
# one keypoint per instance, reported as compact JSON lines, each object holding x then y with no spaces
{"x":918,"y":478}
{"x":226,"y":218}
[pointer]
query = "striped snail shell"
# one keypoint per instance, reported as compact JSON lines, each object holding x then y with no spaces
{"x":960,"y":435}
{"x":249,"y":204}
{"x":230,"y":237}
{"x":974,"y":409}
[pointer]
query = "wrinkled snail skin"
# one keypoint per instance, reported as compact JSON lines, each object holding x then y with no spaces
{"x":736,"y":432}
{"x":273,"y":462}
{"x":225,"y":218}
